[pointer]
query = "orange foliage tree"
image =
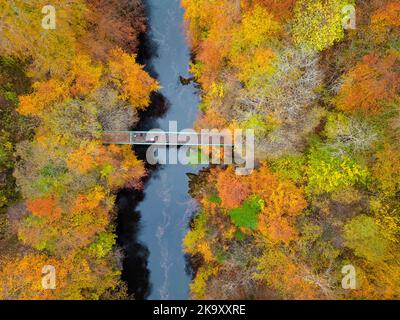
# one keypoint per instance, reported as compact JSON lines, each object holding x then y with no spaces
{"x":283,"y":203}
{"x":44,"y":207}
{"x":46,"y":93}
{"x":386,"y":20}
{"x":372,"y":82}
{"x":232,"y":189}
{"x":283,"y":200}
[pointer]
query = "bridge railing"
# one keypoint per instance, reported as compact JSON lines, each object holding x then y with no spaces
{"x":161,"y":138}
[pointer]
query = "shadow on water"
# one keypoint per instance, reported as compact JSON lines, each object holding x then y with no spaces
{"x":135,"y":270}
{"x":127,"y":230}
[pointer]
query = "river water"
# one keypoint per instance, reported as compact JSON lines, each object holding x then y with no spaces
{"x":153,"y":223}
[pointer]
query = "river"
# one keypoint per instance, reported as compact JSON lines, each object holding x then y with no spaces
{"x":152,"y":224}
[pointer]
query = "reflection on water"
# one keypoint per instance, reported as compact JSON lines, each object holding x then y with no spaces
{"x":152,"y":223}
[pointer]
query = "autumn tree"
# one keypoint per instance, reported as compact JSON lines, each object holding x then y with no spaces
{"x":328,"y":172}
{"x":112,"y":24}
{"x":46,"y":93}
{"x":44,"y":207}
{"x":318,"y":23}
{"x":77,"y":278}
{"x":281,"y":97}
{"x":258,"y":27}
{"x":134,"y":84}
{"x":22,"y":34}
{"x":281,"y":9}
{"x":387,"y":170}
{"x":386,"y":20}
{"x":64,"y":172}
{"x":283,"y":274}
{"x":210,"y":32}
{"x":283,"y":201}
{"x":370,"y":84}
{"x":69,"y":229}
{"x":262,"y":201}
{"x":251,"y":52}
{"x":232,"y":189}
{"x":280,"y":68}
{"x":350,"y":134}
{"x":21,"y":277}
{"x":364,"y":237}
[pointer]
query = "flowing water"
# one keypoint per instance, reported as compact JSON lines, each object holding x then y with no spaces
{"x":152,"y":223}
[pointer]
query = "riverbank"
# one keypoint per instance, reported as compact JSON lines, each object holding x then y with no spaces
{"x":316,"y":212}
{"x":85,"y":79}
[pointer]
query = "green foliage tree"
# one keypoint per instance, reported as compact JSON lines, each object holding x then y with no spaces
{"x":246,"y":216}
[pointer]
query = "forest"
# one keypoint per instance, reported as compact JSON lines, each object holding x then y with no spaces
{"x":317,"y":80}
{"x":324,"y":103}
{"x":59,"y":92}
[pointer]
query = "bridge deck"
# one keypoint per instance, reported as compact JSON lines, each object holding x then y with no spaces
{"x":163,"y":139}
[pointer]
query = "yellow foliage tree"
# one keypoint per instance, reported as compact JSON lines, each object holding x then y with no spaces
{"x":134,"y":84}
{"x":318,"y":23}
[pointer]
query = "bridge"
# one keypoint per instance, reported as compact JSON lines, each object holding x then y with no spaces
{"x":162,"y":138}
